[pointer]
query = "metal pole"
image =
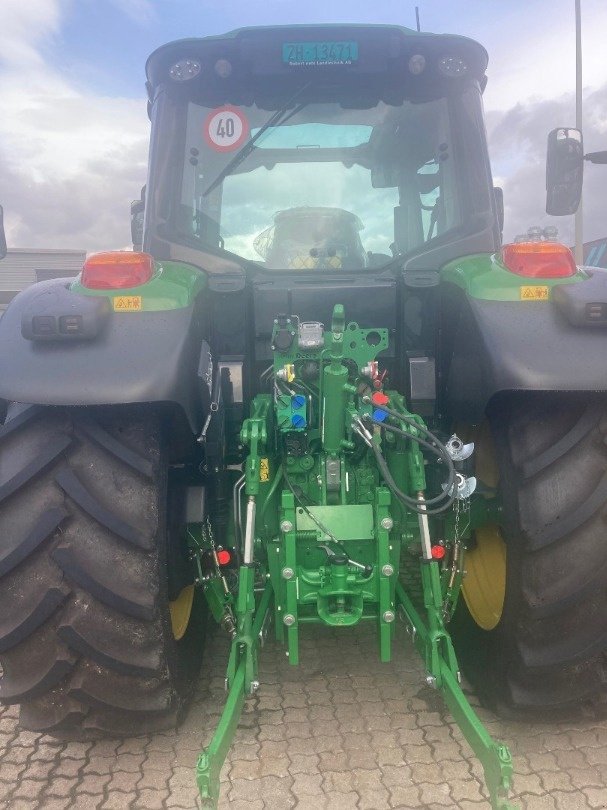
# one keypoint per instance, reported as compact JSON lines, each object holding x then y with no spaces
{"x":424,"y":528}
{"x":417,"y":18}
{"x":579,"y":215}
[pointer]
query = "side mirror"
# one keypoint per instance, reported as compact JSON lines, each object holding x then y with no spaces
{"x":498,"y":193}
{"x":2,"y":235}
{"x":564,"y":171}
{"x":596,"y":157}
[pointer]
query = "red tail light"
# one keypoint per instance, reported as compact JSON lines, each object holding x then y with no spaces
{"x":539,"y":259}
{"x":116,"y":270}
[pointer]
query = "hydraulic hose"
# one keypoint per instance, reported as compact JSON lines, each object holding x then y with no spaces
{"x":440,"y":451}
{"x":435,"y":445}
{"x":410,"y":421}
{"x":437,"y":448}
{"x":410,"y":503}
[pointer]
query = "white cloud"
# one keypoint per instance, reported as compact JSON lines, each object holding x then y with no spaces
{"x":141,"y":11}
{"x":531,"y":49}
{"x":71,"y":162}
{"x":23,"y":26}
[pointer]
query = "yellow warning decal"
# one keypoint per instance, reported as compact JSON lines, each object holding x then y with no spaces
{"x":264,"y":469}
{"x":535,"y":293}
{"x":127,"y":303}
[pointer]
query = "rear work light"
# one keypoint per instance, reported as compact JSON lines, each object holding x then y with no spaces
{"x":539,"y":259}
{"x":116,"y":270}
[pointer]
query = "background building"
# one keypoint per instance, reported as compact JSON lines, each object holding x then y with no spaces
{"x":22,"y":267}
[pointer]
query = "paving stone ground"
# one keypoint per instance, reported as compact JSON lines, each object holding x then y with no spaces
{"x":340,"y":731}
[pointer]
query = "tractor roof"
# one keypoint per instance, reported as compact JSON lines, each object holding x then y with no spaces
{"x":243,"y":43}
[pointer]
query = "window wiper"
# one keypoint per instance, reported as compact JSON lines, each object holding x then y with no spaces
{"x":245,"y":151}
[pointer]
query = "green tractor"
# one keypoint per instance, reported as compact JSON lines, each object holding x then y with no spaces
{"x":322,"y":393}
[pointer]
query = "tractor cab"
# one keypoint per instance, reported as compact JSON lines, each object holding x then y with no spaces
{"x":302,"y":167}
{"x":318,"y":149}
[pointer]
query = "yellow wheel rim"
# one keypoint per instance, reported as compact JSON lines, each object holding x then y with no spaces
{"x":484,"y":586}
{"x":181,"y":610}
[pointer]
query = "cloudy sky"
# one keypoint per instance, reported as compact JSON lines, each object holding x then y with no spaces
{"x":74,"y":130}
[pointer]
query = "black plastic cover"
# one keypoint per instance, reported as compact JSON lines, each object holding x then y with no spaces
{"x":490,"y":347}
{"x":584,"y":304}
{"x":56,"y":313}
{"x":369,"y":300}
{"x":140,"y":357}
{"x":422,"y":383}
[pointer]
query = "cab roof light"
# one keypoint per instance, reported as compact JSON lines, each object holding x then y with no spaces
{"x":223,"y":68}
{"x":417,"y":64}
{"x":452,"y":66}
{"x":116,"y":270}
{"x":539,"y":259}
{"x":184,"y":70}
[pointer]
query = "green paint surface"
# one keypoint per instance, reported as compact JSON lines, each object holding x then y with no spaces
{"x":345,"y":522}
{"x":174,"y":285}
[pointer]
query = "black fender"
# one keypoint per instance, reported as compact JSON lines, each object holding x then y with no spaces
{"x":491,"y":347}
{"x":122,"y":357}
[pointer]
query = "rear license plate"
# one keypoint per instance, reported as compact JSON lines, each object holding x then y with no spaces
{"x":310,"y":54}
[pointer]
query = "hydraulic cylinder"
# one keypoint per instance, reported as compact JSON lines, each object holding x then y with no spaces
{"x":335,"y":378}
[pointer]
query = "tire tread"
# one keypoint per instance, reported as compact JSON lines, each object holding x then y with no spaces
{"x":85,"y":640}
{"x":549,"y":650}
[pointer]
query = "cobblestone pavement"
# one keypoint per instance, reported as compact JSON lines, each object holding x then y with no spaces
{"x":340,"y":731}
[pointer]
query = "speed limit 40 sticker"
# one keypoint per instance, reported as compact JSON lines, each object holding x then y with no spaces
{"x":225,"y":129}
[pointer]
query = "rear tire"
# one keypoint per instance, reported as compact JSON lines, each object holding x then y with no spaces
{"x":548,"y":651}
{"x":86,"y":644}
